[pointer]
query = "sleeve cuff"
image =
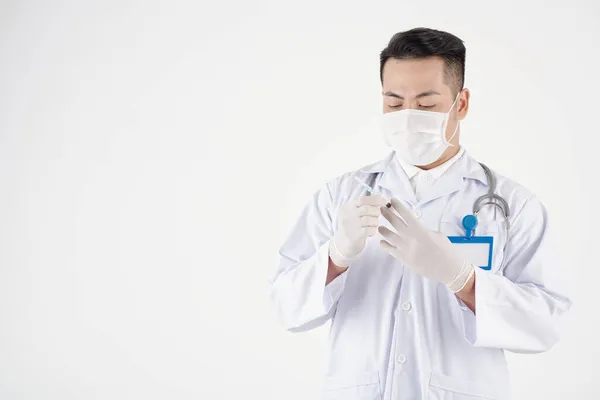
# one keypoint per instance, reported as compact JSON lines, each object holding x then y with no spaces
{"x":474,"y":325}
{"x":333,"y":291}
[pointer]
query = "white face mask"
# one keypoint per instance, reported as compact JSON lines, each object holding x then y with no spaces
{"x":417,"y":136}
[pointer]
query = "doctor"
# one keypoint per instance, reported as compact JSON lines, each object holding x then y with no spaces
{"x":411,"y":316}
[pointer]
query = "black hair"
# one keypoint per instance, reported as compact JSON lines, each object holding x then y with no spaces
{"x":424,"y":43}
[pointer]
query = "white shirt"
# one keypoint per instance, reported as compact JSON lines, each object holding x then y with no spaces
{"x":397,"y":335}
{"x":421,"y":180}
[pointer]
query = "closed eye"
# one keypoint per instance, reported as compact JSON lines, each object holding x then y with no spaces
{"x":428,"y":106}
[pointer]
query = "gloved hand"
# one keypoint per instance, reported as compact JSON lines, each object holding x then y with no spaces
{"x":429,"y":253}
{"x":357,"y":220}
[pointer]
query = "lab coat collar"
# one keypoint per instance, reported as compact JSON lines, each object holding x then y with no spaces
{"x":394,"y":178}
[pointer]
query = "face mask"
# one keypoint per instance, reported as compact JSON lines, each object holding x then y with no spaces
{"x":417,"y":136}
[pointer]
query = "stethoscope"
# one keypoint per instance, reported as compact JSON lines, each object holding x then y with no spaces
{"x":490,"y":198}
{"x":470,"y":222}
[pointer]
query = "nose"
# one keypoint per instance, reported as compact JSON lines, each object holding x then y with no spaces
{"x":411,"y":104}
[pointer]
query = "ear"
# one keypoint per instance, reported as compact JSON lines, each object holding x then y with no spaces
{"x":463,"y":104}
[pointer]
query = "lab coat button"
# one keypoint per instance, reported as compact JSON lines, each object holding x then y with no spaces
{"x":401,"y":358}
{"x":406,"y":306}
{"x":418,"y":213}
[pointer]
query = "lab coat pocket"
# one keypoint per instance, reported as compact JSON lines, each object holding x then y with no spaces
{"x":443,"y":387}
{"x":362,"y":386}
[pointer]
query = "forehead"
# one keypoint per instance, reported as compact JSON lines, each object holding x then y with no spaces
{"x":414,"y":76}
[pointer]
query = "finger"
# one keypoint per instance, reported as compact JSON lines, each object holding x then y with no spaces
{"x":391,"y":249}
{"x":402,"y":211}
{"x":371,"y":231}
{"x":369,"y":211}
{"x":393,"y":219}
{"x":390,"y":236}
{"x":373,"y":200}
{"x":369,"y":221}
{"x":387,"y":246}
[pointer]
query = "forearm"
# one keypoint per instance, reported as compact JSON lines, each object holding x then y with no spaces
{"x":333,"y":271}
{"x":467,"y":294}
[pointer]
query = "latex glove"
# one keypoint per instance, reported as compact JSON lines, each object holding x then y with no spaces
{"x":428,"y":253}
{"x":357,"y":220}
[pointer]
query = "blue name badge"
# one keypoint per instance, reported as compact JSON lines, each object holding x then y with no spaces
{"x":476,"y":249}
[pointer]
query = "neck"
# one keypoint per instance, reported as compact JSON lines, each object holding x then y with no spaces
{"x":448,"y":154}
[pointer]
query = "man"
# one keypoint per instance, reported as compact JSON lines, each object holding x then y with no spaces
{"x":411,"y":316}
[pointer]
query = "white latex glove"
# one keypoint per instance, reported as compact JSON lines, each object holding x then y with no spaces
{"x":429,"y":253}
{"x":357,"y":220}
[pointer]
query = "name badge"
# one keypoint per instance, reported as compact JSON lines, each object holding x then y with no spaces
{"x":476,"y":249}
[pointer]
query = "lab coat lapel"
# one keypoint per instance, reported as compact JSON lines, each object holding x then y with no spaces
{"x":453,"y":179}
{"x":395,"y":180}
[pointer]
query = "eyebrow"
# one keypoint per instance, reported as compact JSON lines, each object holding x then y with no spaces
{"x":420,"y":95}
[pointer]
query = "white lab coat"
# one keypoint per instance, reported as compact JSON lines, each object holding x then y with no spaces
{"x":397,"y":335}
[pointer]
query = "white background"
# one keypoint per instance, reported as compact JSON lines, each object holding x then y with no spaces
{"x":153,"y":156}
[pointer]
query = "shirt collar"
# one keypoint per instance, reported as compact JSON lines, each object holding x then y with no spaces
{"x":466,"y":165}
{"x":409,"y":170}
